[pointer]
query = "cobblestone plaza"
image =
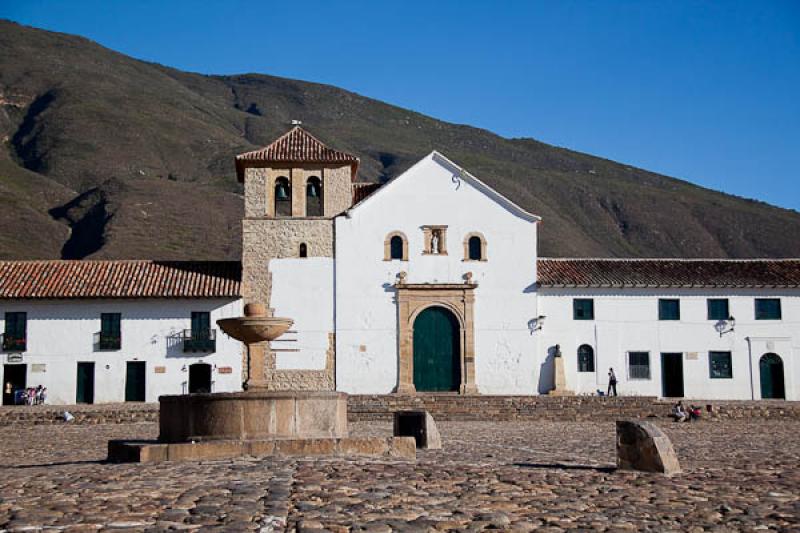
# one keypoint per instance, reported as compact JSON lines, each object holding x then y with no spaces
{"x":738,"y":475}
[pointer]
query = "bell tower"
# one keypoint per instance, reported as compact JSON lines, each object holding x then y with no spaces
{"x":293,"y":189}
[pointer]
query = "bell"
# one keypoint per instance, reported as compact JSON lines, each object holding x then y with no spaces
{"x":281,"y":193}
{"x":312,"y":191}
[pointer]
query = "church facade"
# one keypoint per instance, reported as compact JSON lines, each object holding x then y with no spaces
{"x":429,"y":283}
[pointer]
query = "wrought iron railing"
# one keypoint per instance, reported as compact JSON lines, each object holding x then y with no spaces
{"x":105,"y":341}
{"x":13,"y":344}
{"x":200,"y":341}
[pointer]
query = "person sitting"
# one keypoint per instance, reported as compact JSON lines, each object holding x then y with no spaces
{"x":679,"y":413}
{"x":694,"y":412}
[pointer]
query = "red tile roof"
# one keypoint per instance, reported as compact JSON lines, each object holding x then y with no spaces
{"x":362,"y":190}
{"x":295,"y":146}
{"x":120,"y":279}
{"x":722,"y":273}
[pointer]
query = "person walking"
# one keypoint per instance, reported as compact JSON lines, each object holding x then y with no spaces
{"x":612,"y":382}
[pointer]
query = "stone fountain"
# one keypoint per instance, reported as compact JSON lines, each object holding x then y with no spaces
{"x":257,"y":421}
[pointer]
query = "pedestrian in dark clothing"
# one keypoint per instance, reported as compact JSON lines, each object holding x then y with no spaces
{"x":612,"y":382}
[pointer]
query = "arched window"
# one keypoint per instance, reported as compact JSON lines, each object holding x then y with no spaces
{"x":283,"y":197}
{"x":395,"y":247}
{"x":474,"y":247}
{"x":303,"y":250}
{"x":314,"y":204}
{"x":585,"y":358}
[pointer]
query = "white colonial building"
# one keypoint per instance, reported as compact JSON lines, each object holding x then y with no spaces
{"x":430,"y":282}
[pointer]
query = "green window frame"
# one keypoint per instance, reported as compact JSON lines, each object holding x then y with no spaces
{"x":583,"y":309}
{"x":16,"y":331}
{"x":110,"y":331}
{"x":718,"y":309}
{"x":639,"y":365}
{"x":720,"y":365}
{"x":669,"y":309}
{"x":768,"y":308}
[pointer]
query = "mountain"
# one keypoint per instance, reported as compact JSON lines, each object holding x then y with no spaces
{"x":107,"y":156}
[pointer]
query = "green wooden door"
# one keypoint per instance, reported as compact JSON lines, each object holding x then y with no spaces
{"x":85,"y":389}
{"x":436,"y":351}
{"x":135,"y":381}
{"x":771,"y":369}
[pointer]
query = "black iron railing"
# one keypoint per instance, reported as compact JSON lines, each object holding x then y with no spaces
{"x":106,"y":341}
{"x":200,"y":341}
{"x":13,"y":344}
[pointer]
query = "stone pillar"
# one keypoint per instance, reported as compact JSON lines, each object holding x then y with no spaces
{"x":560,"y":388}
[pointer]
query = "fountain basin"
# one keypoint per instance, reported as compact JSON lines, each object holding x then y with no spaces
{"x":252,"y":415}
{"x":253,"y":329}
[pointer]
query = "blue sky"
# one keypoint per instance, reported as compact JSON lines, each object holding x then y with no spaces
{"x":704,"y":91}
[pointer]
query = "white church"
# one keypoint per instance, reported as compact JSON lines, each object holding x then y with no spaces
{"x":428,"y":283}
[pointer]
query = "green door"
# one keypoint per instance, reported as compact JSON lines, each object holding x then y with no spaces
{"x":771,"y":370}
{"x":85,"y":390}
{"x":436,"y":351}
{"x":135,"y":381}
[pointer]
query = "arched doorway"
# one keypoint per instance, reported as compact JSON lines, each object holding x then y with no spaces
{"x":199,"y":378}
{"x":771,"y":370}
{"x":437,"y":351}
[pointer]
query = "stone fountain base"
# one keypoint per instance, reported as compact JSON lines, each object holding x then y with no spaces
{"x":252,"y":415}
{"x":255,"y":423}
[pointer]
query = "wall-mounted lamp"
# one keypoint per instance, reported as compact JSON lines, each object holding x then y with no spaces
{"x":535,"y":324}
{"x":725,"y":326}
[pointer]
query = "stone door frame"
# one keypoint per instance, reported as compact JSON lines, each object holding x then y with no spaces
{"x":412,"y":299}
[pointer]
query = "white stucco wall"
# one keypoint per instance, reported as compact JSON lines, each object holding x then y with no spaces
{"x":627,"y":320}
{"x":60,"y":333}
{"x":366,"y":313}
{"x":302,"y":289}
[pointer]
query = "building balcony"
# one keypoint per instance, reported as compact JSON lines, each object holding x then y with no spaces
{"x":13,"y":344}
{"x":104,"y":341}
{"x":200,"y":341}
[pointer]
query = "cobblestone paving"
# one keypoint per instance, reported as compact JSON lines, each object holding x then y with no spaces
{"x":742,"y":475}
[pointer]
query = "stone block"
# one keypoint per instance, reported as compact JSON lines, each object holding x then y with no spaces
{"x":363,"y":446}
{"x":421,"y":426}
{"x":644,"y":446}
{"x":154,"y":453}
{"x":260,"y":448}
{"x":301,"y":447}
{"x":404,"y":447}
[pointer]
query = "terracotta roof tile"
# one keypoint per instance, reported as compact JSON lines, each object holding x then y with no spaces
{"x":295,"y":146}
{"x":362,"y":190}
{"x":721,"y":273}
{"x":120,"y":279}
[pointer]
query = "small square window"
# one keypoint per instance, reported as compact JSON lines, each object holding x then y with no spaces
{"x":720,"y":365}
{"x":669,"y":309}
{"x":583,"y":309}
{"x":718,"y":309}
{"x":639,"y":365}
{"x":768,"y":309}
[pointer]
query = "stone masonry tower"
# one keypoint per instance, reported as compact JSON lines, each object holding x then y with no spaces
{"x":293,"y":189}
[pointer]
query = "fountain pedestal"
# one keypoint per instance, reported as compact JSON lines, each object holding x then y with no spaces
{"x":257,"y":421}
